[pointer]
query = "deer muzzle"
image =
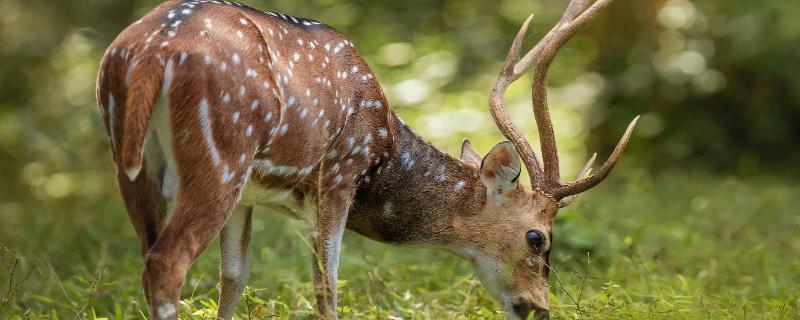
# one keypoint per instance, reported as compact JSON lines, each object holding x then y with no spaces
{"x":523,"y":310}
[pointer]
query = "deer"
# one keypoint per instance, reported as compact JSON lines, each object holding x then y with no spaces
{"x":212,"y":108}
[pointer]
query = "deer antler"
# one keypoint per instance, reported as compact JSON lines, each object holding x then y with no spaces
{"x":547,"y":178}
{"x":513,"y":69}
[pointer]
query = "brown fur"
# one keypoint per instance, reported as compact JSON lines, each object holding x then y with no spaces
{"x":264,"y":100}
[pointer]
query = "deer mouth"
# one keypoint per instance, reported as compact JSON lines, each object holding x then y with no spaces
{"x":524,"y":309}
{"x":541,"y":314}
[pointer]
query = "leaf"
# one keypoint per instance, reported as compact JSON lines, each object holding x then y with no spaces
{"x":259,"y":312}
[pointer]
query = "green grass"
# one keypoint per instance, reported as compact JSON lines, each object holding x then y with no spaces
{"x":674,"y":246}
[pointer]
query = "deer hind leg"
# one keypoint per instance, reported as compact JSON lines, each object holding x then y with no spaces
{"x":234,"y":267}
{"x":200,"y":214}
{"x":146,"y":209}
{"x":211,"y":177}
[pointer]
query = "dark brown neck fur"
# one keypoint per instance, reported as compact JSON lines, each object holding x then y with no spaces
{"x":414,"y":195}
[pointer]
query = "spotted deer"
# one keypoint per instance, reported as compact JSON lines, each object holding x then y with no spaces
{"x":216,"y":107}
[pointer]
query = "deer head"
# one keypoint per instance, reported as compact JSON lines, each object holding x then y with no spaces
{"x":509,"y":241}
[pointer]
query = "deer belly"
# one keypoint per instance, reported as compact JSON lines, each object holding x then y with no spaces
{"x":284,"y":201}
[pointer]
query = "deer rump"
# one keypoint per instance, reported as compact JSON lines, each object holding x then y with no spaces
{"x":287,"y":95}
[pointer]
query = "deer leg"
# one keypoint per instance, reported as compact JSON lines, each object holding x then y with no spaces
{"x":146,"y":209}
{"x":326,"y":240}
{"x":200,"y":214}
{"x":234,"y":268}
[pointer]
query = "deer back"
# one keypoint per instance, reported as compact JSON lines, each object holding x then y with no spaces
{"x":291,"y":94}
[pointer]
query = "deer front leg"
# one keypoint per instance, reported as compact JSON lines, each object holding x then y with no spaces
{"x":234,"y":267}
{"x":331,"y":221}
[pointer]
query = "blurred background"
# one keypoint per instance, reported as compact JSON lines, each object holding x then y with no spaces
{"x":699,"y":216}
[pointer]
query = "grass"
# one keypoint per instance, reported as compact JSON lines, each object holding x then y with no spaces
{"x":673,"y":246}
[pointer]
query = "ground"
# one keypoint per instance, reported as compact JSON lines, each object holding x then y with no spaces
{"x":673,"y":246}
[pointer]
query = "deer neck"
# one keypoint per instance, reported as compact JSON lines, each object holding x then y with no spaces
{"x":416,"y":194}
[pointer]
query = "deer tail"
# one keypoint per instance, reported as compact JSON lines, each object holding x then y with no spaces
{"x":145,"y":82}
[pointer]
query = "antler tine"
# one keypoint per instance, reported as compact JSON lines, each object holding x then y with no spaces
{"x":573,"y":9}
{"x":584,"y":184}
{"x":561,"y":34}
{"x":501,"y":118}
{"x":586,"y":169}
{"x":512,"y":59}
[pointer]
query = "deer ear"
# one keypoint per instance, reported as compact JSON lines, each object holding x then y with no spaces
{"x":501,"y":168}
{"x":468,"y":154}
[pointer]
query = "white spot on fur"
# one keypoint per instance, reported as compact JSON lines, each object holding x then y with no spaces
{"x":227,"y":174}
{"x":441,"y":177}
{"x":459,"y":185}
{"x":305,"y":171}
{"x":332,"y":154}
{"x":205,"y":124}
{"x":407,"y":162}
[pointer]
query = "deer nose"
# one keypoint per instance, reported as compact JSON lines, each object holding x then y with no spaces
{"x":524,"y":308}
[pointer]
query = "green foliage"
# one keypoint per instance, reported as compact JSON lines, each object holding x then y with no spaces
{"x":715,"y":81}
{"x":679,"y":246}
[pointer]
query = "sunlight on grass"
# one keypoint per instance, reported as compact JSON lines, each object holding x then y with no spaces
{"x":645,"y":247}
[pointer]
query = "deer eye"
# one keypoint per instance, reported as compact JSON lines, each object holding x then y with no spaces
{"x":535,"y":239}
